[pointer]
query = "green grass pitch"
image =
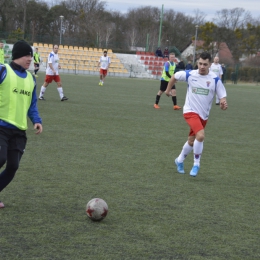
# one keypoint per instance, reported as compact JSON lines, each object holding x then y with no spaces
{"x":110,"y":142}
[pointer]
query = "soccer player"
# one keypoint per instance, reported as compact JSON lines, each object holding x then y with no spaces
{"x":52,"y":73}
{"x":104,"y":63}
{"x":203,"y":84}
{"x":168,"y":70}
{"x":217,"y":69}
{"x":18,"y":99}
{"x":36,"y":60}
{"x":2,"y":53}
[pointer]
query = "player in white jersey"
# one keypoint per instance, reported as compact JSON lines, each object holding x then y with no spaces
{"x":203,"y":84}
{"x":103,"y":63}
{"x":217,"y":69}
{"x":52,"y":73}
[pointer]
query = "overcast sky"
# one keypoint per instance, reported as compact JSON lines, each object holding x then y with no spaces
{"x":208,"y":7}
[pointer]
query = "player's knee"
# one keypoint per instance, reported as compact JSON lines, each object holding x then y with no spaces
{"x":200,"y":136}
{"x":3,"y":159}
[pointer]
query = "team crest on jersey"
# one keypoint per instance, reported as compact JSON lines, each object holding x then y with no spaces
{"x":208,"y":83}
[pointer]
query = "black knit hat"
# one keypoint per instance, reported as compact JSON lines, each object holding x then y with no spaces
{"x":20,"y":49}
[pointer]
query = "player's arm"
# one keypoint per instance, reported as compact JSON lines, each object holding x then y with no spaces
{"x":53,"y":70}
{"x":221,"y":73}
{"x":170,"y":85}
{"x":33,"y":112}
{"x":221,"y":92}
{"x":223,"y":103}
{"x":109,"y":62}
{"x":166,"y":68}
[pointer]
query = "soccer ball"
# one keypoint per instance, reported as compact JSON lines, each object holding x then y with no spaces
{"x":97,"y":209}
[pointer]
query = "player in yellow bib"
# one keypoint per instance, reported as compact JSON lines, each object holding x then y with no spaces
{"x":168,"y":70}
{"x":18,"y":100}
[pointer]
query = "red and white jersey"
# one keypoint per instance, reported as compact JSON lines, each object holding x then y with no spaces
{"x":201,"y":91}
{"x":53,"y":59}
{"x":217,"y":69}
{"x":104,"y":62}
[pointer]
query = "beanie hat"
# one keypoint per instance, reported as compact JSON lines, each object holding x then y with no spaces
{"x":21,"y":49}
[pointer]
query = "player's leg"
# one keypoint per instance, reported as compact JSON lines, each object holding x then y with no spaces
{"x":188,"y":146}
{"x":100,"y":77}
{"x":104,"y":76}
{"x":197,"y":126}
{"x":174,"y":98}
{"x":186,"y":149}
{"x":36,"y":68}
{"x":12,"y":165}
{"x":47,"y":81}
{"x":163,"y":87}
{"x":59,"y":88}
{"x":3,"y":157}
{"x":217,"y":100}
{"x":11,"y":154}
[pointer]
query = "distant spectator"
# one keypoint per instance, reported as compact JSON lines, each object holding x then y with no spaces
{"x":181,"y":65}
{"x":158,"y":52}
{"x":233,"y":77}
{"x":166,"y":52}
{"x":189,"y":66}
{"x":224,"y":72}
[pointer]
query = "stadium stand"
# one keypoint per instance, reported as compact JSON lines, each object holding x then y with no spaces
{"x":84,"y":60}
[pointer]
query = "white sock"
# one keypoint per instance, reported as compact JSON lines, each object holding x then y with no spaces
{"x":60,"y":90}
{"x":217,"y":99}
{"x":43,"y":89}
{"x":197,"y":151}
{"x":186,"y":149}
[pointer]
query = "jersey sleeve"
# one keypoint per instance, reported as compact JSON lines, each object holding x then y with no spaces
{"x":220,"y":70}
{"x":2,"y":72}
{"x":180,"y":75}
{"x":50,"y":58}
{"x":220,"y":90}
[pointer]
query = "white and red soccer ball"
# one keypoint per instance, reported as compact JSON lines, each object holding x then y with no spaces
{"x":97,"y":209}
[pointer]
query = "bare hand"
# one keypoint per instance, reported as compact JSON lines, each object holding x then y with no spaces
{"x":168,"y":93}
{"x":38,"y":128}
{"x":223,"y":105}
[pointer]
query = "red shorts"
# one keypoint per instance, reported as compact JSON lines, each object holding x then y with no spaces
{"x":195,"y":122}
{"x":103,"y":72}
{"x":50,"y":78}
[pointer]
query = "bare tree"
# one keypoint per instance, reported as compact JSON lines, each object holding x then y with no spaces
{"x":199,"y":17}
{"x":232,"y":18}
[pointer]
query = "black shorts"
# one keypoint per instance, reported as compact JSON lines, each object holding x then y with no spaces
{"x":13,"y":139}
{"x":164,"y":85}
{"x":37,"y":65}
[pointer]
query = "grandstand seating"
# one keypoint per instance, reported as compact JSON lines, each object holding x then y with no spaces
{"x":152,"y":64}
{"x":76,"y":59}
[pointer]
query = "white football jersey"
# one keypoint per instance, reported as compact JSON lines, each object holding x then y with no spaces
{"x":201,"y":91}
{"x":104,"y":62}
{"x":217,"y":69}
{"x":53,"y":59}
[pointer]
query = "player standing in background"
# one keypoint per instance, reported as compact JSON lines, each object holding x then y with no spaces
{"x":217,"y":69}
{"x":52,"y":73}
{"x":18,"y":100}
{"x":104,"y":63}
{"x":203,"y":84}
{"x":2,"y":53}
{"x":36,"y":60}
{"x":168,"y":70}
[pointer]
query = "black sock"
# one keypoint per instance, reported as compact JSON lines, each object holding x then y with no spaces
{"x":174,"y":100}
{"x":157,"y":99}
